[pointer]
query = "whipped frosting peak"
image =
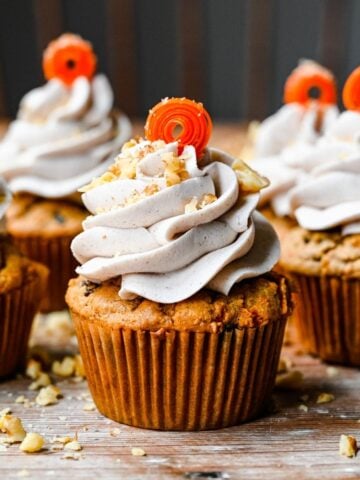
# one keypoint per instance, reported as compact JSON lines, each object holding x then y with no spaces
{"x":63,"y":137}
{"x":169,"y":227}
{"x":319,"y":184}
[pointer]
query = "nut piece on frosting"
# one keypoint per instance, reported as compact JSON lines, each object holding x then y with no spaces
{"x":250,"y":181}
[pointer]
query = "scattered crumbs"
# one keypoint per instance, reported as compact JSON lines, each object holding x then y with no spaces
{"x":89,"y":407}
{"x":13,"y":427}
{"x":325,"y":398}
{"x":23,"y":473}
{"x":9,"y":395}
{"x":48,"y":396}
{"x":20,"y":399}
{"x":138,"y":452}
{"x":33,"y":442}
{"x":305,"y":397}
{"x":71,"y":456}
{"x":303,"y":408}
{"x":332,"y":371}
{"x":74,"y":445}
{"x":43,"y":380}
{"x":348,"y":446}
{"x":289,"y":380}
{"x":5,"y":411}
{"x":115,"y":432}
{"x":65,"y":367}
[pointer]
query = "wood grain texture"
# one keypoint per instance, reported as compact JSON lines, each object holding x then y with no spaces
{"x":122,"y":54}
{"x":259,"y":58}
{"x":287,"y":443}
{"x":48,"y":18}
{"x":192,"y":49}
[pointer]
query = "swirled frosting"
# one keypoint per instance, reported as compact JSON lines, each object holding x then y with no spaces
{"x":62,"y":137}
{"x":169,"y":226}
{"x":319,"y":184}
{"x":292,"y":124}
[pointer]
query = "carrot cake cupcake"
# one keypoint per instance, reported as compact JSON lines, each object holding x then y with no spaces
{"x":322,"y":254}
{"x":66,"y":133}
{"x":22,"y":286}
{"x":179,"y":318}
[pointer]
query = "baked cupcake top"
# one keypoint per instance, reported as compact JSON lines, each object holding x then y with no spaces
{"x":66,"y":131}
{"x":303,"y":118}
{"x":171,"y":217}
{"x":320,"y":185}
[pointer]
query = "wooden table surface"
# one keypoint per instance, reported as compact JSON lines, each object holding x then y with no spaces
{"x":291,"y":442}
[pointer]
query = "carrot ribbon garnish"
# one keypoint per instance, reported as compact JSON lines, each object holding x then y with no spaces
{"x":189,"y":117}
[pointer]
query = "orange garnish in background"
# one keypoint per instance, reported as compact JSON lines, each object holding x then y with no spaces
{"x":306,"y":77}
{"x":351,"y":91}
{"x":69,"y":57}
{"x":189,"y":117}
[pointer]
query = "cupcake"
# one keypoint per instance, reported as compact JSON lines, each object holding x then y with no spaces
{"x":179,"y":318}
{"x":322,"y":254}
{"x":66,"y":133}
{"x":22,"y":285}
{"x":287,"y":140}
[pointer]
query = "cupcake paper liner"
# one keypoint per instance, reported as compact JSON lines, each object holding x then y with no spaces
{"x":56,"y":255}
{"x":18,"y":308}
{"x":327,"y":317}
{"x":179,"y":380}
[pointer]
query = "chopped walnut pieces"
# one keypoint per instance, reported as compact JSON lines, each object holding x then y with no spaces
{"x":348,"y":446}
{"x":303,"y":408}
{"x":74,"y":445}
{"x":289,"y":380}
{"x":43,"y":380}
{"x":325,"y":398}
{"x":136,"y":196}
{"x":197,"y":204}
{"x":175,"y":171}
{"x":65,"y":368}
{"x":138,"y":452}
{"x":105,"y":178}
{"x":33,"y":442}
{"x":48,"y":396}
{"x":13,"y":427}
{"x":89,"y":407}
{"x":33,"y":369}
{"x":249,"y":180}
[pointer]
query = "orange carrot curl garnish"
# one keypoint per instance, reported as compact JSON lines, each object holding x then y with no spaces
{"x":69,"y":57}
{"x":310,"y":77}
{"x":351,"y":91}
{"x":189,"y":117}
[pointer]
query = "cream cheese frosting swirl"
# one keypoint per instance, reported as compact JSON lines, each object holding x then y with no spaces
{"x":319,"y":184}
{"x":63,"y":137}
{"x":5,"y":199}
{"x":292,"y":124}
{"x":169,"y":226}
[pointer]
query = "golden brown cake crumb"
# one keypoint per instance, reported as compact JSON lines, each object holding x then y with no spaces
{"x":321,"y":253}
{"x":30,"y":216}
{"x":251,"y":303}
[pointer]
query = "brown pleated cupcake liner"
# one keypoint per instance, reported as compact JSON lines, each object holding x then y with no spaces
{"x":17,"y":310}
{"x":178,"y":380}
{"x":327,"y":317}
{"x":56,"y":255}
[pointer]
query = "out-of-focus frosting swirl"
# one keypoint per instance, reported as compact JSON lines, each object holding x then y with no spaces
{"x":292,"y":124}
{"x":169,"y":227}
{"x":319,"y":184}
{"x":63,"y":137}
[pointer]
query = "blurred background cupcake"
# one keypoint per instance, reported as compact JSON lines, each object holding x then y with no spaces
{"x":322,"y":254}
{"x":22,"y":287}
{"x":285,"y":141}
{"x":66,"y":132}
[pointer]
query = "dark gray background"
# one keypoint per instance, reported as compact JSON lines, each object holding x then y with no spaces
{"x":234,"y":55}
